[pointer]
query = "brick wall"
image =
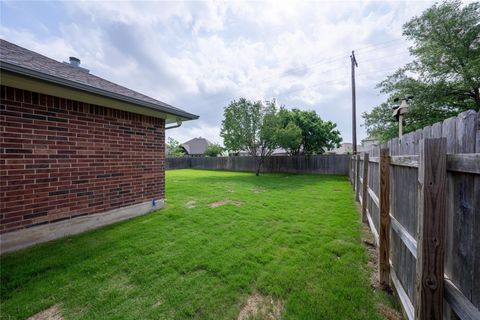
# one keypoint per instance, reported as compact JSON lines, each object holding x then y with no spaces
{"x":62,"y":159}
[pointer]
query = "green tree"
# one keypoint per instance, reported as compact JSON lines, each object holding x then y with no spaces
{"x":305,"y":132}
{"x":289,"y":137}
{"x":214,"y":150}
{"x":174,"y":148}
{"x":444,"y":77}
{"x":250,"y":126}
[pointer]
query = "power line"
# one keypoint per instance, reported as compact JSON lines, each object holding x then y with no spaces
{"x":334,"y":58}
{"x":286,"y":93}
{"x":331,"y":82}
{"x":377,"y":71}
{"x":342,"y":80}
{"x":384,"y":44}
{"x":386,"y":56}
{"x":321,"y":62}
{"x":310,"y":66}
{"x":368,"y":60}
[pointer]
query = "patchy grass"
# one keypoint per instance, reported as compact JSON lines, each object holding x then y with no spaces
{"x":295,"y":239}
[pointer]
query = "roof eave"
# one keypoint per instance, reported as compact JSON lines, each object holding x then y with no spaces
{"x":83,"y":87}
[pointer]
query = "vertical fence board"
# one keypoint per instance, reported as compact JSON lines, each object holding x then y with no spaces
{"x":357,"y":178}
{"x":476,"y":226}
{"x":365,"y":186}
{"x":427,"y":132}
{"x":395,"y":241}
{"x":462,"y":272}
{"x":384,"y":231}
{"x":436,"y":130}
{"x":374,"y":180}
{"x":449,"y":133}
{"x":431,"y":228}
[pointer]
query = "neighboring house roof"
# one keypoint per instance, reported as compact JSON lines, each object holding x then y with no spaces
{"x":196,"y":146}
{"x":279,"y":152}
{"x":22,"y":61}
{"x":345,"y":148}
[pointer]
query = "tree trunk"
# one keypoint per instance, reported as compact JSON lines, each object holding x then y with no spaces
{"x":258,"y":161}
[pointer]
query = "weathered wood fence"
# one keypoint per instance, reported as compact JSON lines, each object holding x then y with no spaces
{"x":321,"y":164}
{"x":421,"y":198}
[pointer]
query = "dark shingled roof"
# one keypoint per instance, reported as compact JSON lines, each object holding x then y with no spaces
{"x":20,"y":60}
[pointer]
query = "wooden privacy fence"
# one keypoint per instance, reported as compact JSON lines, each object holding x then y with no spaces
{"x":421,"y":198}
{"x":324,"y":164}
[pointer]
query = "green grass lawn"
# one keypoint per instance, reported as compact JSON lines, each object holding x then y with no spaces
{"x":296,"y":238}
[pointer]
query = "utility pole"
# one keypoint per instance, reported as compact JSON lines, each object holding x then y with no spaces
{"x":354,"y":116}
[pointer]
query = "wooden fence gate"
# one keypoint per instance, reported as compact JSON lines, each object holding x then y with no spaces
{"x":421,"y":198}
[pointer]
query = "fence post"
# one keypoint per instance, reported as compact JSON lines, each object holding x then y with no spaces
{"x":384,"y":232}
{"x":357,"y":177}
{"x":432,"y":171}
{"x":365,"y":187}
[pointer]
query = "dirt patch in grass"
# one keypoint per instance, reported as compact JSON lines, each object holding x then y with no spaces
{"x":258,"y":190}
{"x":52,"y":313}
{"x":261,"y":307}
{"x":369,"y":243}
{"x":157,"y":303}
{"x":385,"y":311}
{"x":191,"y":204}
{"x":388,"y":313}
{"x":224,"y":202}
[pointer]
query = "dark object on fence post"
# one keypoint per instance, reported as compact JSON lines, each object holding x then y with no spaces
{"x":432,"y":172}
{"x":365,"y":186}
{"x":350,"y":169}
{"x":384,"y":232}
{"x":357,"y":177}
{"x":352,"y":172}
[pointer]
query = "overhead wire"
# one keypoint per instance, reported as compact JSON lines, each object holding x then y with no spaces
{"x":334,"y":58}
{"x":341,"y":80}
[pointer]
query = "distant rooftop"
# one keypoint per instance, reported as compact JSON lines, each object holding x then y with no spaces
{"x":196,"y":146}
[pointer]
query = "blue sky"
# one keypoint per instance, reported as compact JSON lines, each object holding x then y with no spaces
{"x":201,"y":55}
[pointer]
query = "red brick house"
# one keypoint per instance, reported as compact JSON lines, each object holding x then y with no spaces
{"x":77,"y":151}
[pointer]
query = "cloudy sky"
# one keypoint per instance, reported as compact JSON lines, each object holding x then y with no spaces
{"x":201,"y":55}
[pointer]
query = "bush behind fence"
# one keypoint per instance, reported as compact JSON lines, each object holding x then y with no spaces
{"x":318,"y":164}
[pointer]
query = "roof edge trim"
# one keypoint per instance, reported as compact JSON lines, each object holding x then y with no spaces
{"x":83,"y":87}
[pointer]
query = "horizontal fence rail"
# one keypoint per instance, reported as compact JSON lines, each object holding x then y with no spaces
{"x":467,"y":162}
{"x":319,"y":164}
{"x":433,"y":244}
